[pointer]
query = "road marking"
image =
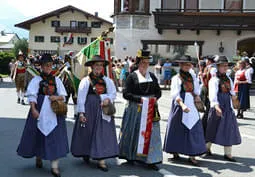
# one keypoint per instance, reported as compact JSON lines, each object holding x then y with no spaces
{"x":166,"y":173}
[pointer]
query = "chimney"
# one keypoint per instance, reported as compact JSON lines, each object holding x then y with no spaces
{"x":96,"y":14}
{"x":2,"y":33}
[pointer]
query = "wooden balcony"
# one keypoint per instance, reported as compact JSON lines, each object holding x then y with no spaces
{"x":68,"y":29}
{"x":204,"y":19}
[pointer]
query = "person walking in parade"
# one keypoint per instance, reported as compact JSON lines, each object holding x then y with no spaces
{"x":45,"y":133}
{"x":222,"y":128}
{"x":19,"y":77}
{"x":206,"y":76}
{"x":184,"y":133}
{"x":241,"y":87}
{"x":94,"y":134}
{"x":140,"y":131}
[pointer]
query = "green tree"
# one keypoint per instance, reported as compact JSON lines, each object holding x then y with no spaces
{"x":5,"y":58}
{"x":22,"y":45}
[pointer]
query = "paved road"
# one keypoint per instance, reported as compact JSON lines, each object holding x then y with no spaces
{"x":12,"y":120}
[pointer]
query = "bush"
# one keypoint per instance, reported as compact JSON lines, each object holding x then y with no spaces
{"x":5,"y":58}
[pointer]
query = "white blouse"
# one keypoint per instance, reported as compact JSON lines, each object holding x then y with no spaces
{"x":33,"y":88}
{"x":84,"y":88}
{"x":176,"y":86}
{"x":214,"y":88}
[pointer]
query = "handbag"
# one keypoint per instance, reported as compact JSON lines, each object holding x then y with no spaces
{"x":59,"y":107}
{"x":200,"y":106}
{"x":236,"y":103}
{"x":109,"y":109}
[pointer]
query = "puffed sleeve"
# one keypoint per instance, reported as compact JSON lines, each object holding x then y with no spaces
{"x":232,"y":92}
{"x":32,"y":89}
{"x":111,"y":90}
{"x":61,"y":91}
{"x":176,"y":87}
{"x":213,"y":91}
{"x":248,"y":76}
{"x":196,"y":83}
{"x":129,"y":86}
{"x":82,"y":94}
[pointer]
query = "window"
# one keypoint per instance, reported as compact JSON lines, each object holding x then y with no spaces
{"x":72,"y":24}
{"x":55,"y":23}
{"x":171,"y":4}
{"x":124,"y":5}
{"x":93,"y":38}
{"x":39,"y":38}
{"x":82,"y":24}
{"x":82,"y":40}
{"x":96,"y":24}
{"x":191,"y":4}
{"x":54,"y":39}
{"x":70,"y":41}
{"x":233,"y":4}
{"x":139,"y":6}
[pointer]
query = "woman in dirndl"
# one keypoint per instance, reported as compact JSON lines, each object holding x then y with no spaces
{"x":94,"y":134}
{"x":222,"y":128}
{"x":241,"y":87}
{"x":184,"y":133}
{"x":45,"y":134}
{"x":140,"y":131}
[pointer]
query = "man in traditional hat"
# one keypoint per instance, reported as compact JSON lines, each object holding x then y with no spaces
{"x":206,"y":76}
{"x":19,"y":77}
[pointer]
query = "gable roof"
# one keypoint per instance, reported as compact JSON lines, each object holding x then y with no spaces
{"x":7,"y":37}
{"x":26,"y":24}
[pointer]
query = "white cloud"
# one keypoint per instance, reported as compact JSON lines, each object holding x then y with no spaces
{"x":33,"y":8}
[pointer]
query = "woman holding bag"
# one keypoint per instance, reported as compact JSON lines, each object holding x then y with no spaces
{"x":184,"y":130}
{"x":222,"y":128}
{"x":45,"y":134}
{"x":94,"y":134}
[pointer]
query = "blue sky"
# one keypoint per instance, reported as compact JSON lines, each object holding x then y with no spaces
{"x":16,"y":11}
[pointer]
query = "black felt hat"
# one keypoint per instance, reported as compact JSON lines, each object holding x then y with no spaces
{"x":185,"y":59}
{"x":46,"y":58}
{"x":96,"y":58}
{"x":221,"y":59}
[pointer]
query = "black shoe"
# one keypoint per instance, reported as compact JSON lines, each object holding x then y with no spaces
{"x":131,"y":162}
{"x":18,"y":101}
{"x":231,"y":159}
{"x":86,"y":159}
{"x":176,"y":157}
{"x":22,"y":102}
{"x":208,"y":153}
{"x":38,"y":163}
{"x":54,"y":173}
{"x":193,"y":162}
{"x":153,"y":167}
{"x":102,"y":167}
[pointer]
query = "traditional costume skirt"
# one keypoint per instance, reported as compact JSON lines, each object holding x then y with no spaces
{"x":129,"y":136}
{"x":98,"y":138}
{"x":179,"y":138}
{"x":244,"y":96}
{"x":20,"y":81}
{"x":35,"y":144}
{"x":223,"y":130}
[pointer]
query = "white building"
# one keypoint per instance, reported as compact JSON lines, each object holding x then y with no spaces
{"x":218,"y":26}
{"x":7,"y":41}
{"x":50,"y":32}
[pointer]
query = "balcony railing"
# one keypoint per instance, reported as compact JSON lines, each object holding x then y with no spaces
{"x":68,"y":29}
{"x":204,"y":19}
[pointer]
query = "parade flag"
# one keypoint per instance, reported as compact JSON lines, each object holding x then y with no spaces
{"x":68,"y":39}
{"x":147,"y":115}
